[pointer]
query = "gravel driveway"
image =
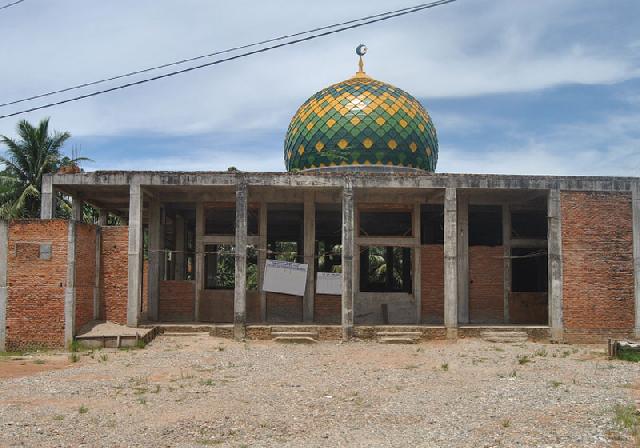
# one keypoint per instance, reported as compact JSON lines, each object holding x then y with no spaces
{"x":203,"y":391}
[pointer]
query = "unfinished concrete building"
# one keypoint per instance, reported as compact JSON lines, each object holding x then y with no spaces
{"x":438,"y":255}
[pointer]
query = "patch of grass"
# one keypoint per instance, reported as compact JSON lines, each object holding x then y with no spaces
{"x":104,"y":357}
{"x":411,"y":366}
{"x":77,"y":346}
{"x":555,"y":384}
{"x":208,"y":442}
{"x":140,"y":344}
{"x":505,"y":423}
{"x":156,"y":390}
{"x":58,"y":418}
{"x":626,"y":418}
{"x":39,"y":361}
{"x":10,"y":354}
{"x":207,"y":382}
{"x":142,"y":400}
{"x":540,"y":352}
{"x":523,"y":359}
{"x":140,"y":391}
{"x":513,"y":374}
{"x":565,"y":353}
{"x":83,"y":409}
{"x":74,"y":357}
{"x":444,"y":367}
{"x":628,"y":355}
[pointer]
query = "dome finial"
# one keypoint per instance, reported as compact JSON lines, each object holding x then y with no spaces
{"x":361,"y":50}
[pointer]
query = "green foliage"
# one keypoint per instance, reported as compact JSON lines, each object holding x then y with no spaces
{"x":35,"y":153}
{"x":628,"y":355}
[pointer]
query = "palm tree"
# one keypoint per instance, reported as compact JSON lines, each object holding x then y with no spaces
{"x":36,"y":152}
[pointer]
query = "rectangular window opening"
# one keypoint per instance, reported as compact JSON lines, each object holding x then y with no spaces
{"x":529,"y":270}
{"x":222,"y":221}
{"x":385,"y":223}
{"x":432,"y":224}
{"x":529,"y":224}
{"x":485,"y":225}
{"x":220,"y":268}
{"x":385,"y":269}
{"x":285,"y":232}
{"x":328,"y":239}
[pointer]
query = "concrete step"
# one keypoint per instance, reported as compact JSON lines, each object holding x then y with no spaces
{"x":294,"y":340}
{"x":310,"y":334}
{"x":408,"y":334}
{"x":397,"y":340}
{"x":183,"y":333}
{"x":505,"y":336}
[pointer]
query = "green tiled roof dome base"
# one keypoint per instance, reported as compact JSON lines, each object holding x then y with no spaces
{"x":361,"y":122}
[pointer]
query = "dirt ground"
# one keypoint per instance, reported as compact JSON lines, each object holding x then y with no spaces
{"x":193,"y":391}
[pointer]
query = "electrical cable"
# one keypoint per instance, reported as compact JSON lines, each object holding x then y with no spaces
{"x":231,"y":58}
{"x":9,"y":5}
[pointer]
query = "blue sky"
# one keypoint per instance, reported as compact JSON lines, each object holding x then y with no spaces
{"x":513,"y":86}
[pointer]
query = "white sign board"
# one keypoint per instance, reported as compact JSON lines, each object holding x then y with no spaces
{"x":329,"y":283}
{"x":285,"y":277}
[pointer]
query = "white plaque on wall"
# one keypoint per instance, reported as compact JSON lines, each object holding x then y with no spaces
{"x":329,"y":283}
{"x":285,"y":277}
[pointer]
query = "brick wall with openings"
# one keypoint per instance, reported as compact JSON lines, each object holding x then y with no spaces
{"x":85,"y":272}
{"x":597,"y":256}
{"x":216,"y":305}
{"x":176,"y":300}
{"x":486,"y":284}
{"x":114,"y":273}
{"x":35,"y":306}
{"x":327,"y":309}
{"x":283,"y":308}
{"x":432,"y":278}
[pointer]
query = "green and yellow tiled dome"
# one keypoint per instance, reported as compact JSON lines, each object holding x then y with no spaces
{"x":361,"y":122}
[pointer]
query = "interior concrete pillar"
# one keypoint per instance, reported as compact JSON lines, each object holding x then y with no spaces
{"x":417,"y":261}
{"x":155,"y":258}
{"x":179,"y":273}
{"x":262,"y":259}
{"x":103,"y":216}
{"x":462,"y":251}
{"x":309,"y":254}
{"x":134,"y":294}
{"x":506,"y":245}
{"x":450,"y":263}
{"x":4,"y":288}
{"x":554,"y":241}
{"x":76,"y":209}
{"x":70,"y":287}
{"x":47,"y":198}
{"x":635,"y":201}
{"x":200,"y":274}
{"x":240,"y":290}
{"x":348,"y":241}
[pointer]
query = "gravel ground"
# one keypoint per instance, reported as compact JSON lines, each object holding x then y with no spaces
{"x":203,"y":391}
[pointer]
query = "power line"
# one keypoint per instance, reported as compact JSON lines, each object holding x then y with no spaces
{"x":215,"y":53}
{"x":9,"y":5}
{"x":364,"y":21}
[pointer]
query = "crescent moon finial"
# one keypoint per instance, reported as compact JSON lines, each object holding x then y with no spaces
{"x":361,"y":50}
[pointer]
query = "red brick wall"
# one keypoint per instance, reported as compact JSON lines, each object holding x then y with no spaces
{"x":327,"y":309}
{"x":216,"y":305}
{"x":115,"y":247}
{"x":85,"y":272}
{"x":432,"y":277}
{"x":176,"y":300}
{"x":597,"y":254}
{"x":528,"y":308}
{"x":35,"y":308}
{"x":486,"y":284}
{"x":283,"y":308}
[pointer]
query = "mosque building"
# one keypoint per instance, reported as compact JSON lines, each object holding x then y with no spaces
{"x":360,"y":237}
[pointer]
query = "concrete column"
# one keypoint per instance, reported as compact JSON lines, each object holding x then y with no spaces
{"x":463,"y":258}
{"x":70,"y":288}
{"x":262,"y":259}
{"x":347,"y":259}
{"x":155,"y":258}
{"x":200,"y":274}
{"x":450,"y":264}
{"x":554,"y":242}
{"x":635,"y":196}
{"x":240,"y":290}
{"x":135,"y":255}
{"x":76,"y":209}
{"x":47,"y":198}
{"x":179,"y":274}
{"x":96,"y":286}
{"x":103,"y":215}
{"x":4,"y":288}
{"x":309,"y":254}
{"x":417,"y":263}
{"x":506,"y":244}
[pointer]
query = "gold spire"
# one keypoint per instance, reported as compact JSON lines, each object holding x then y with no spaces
{"x":361,"y":50}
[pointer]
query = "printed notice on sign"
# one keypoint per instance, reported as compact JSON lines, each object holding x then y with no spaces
{"x":329,"y":283}
{"x":285,"y":277}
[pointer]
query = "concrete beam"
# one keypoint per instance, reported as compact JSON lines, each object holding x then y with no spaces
{"x":240,"y":290}
{"x":4,"y":288}
{"x":554,"y":238}
{"x":506,"y":245}
{"x":47,"y":198}
{"x":635,"y":201}
{"x":134,"y":295}
{"x":70,"y":287}
{"x":462,"y":252}
{"x":179,"y":273}
{"x":155,"y":258}
{"x":348,"y":242}
{"x":200,"y":274}
{"x":450,"y":264}
{"x":309,"y":255}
